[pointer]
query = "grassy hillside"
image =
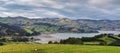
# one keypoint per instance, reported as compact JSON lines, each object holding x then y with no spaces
{"x":102,"y":39}
{"x":48,"y":24}
{"x":6,"y":29}
{"x":52,"y":48}
{"x":107,"y":39}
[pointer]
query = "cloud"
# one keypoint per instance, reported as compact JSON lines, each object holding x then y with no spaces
{"x":2,"y":8}
{"x":14,"y":14}
{"x":74,"y":9}
{"x":110,"y":5}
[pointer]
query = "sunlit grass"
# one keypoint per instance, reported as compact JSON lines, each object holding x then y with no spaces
{"x":91,"y":43}
{"x":56,"y":48}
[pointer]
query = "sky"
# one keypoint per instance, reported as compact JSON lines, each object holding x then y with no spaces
{"x":73,"y":9}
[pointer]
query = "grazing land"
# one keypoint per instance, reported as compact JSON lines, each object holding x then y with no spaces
{"x":57,"y":48}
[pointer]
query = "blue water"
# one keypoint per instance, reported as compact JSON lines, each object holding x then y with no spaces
{"x":79,"y":35}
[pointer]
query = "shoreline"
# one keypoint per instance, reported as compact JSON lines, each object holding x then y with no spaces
{"x":45,"y":38}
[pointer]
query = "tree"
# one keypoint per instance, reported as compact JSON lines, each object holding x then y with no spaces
{"x":103,"y":43}
{"x":56,"y":42}
{"x":50,"y":42}
{"x":1,"y":43}
{"x":71,"y":41}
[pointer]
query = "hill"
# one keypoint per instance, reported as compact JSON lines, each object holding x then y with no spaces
{"x":8,"y":30}
{"x":44,"y":25}
{"x":102,"y":39}
{"x":85,"y":24}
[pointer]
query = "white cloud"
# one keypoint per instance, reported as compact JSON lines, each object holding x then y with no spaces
{"x":99,"y":2}
{"x":14,"y":14}
{"x":58,"y":8}
{"x":33,"y":13}
{"x":2,"y":8}
{"x":49,"y":13}
{"x":36,"y":13}
{"x":105,"y":6}
{"x":41,"y":3}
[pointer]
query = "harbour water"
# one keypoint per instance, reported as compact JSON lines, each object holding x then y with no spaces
{"x":45,"y":38}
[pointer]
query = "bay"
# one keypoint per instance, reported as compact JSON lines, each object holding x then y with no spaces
{"x":45,"y":38}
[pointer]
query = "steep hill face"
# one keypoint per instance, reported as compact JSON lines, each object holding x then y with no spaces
{"x":11,"y":30}
{"x":18,"y":21}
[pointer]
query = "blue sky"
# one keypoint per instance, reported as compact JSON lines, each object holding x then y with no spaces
{"x":73,"y":9}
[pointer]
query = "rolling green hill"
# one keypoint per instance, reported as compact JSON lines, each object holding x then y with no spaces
{"x":45,"y":25}
{"x":102,"y":39}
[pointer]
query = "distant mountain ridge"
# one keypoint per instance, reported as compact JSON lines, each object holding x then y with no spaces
{"x":86,"y":24}
{"x":26,"y":27}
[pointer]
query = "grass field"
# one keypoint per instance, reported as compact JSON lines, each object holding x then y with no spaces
{"x":53,"y":48}
{"x":91,"y":43}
